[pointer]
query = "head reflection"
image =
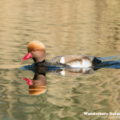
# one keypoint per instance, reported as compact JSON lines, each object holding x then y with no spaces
{"x":37,"y":85}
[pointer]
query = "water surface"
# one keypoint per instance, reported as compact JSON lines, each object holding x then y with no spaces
{"x":90,"y":27}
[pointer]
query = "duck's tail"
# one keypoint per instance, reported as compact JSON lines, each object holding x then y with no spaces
{"x":109,"y":62}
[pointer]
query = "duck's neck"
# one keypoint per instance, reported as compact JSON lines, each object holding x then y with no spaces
{"x":40,"y":62}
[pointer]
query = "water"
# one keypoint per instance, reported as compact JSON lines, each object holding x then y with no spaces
{"x":90,"y":27}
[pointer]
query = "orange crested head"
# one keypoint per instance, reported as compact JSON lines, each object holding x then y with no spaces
{"x":36,"y":50}
{"x":35,"y":45}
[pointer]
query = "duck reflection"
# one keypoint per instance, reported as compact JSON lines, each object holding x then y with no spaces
{"x":37,"y":85}
{"x":73,"y":71}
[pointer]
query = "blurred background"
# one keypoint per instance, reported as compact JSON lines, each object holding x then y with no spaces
{"x":87,"y":27}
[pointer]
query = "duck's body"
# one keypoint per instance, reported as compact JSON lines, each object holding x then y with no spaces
{"x":36,"y":50}
{"x":76,"y":60}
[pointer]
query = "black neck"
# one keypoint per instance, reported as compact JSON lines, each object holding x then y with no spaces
{"x":40,"y":62}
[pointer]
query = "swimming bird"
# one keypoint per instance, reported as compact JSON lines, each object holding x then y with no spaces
{"x":36,"y":51}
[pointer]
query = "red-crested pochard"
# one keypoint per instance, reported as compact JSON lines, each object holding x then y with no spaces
{"x":36,"y":51}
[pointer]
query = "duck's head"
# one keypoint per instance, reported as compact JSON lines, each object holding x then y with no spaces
{"x":36,"y":50}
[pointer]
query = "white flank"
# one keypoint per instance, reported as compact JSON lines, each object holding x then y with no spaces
{"x":76,"y":64}
{"x":85,"y":63}
{"x":62,"y":73}
{"x":62,"y":60}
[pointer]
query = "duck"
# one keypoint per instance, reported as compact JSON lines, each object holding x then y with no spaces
{"x":37,"y":51}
